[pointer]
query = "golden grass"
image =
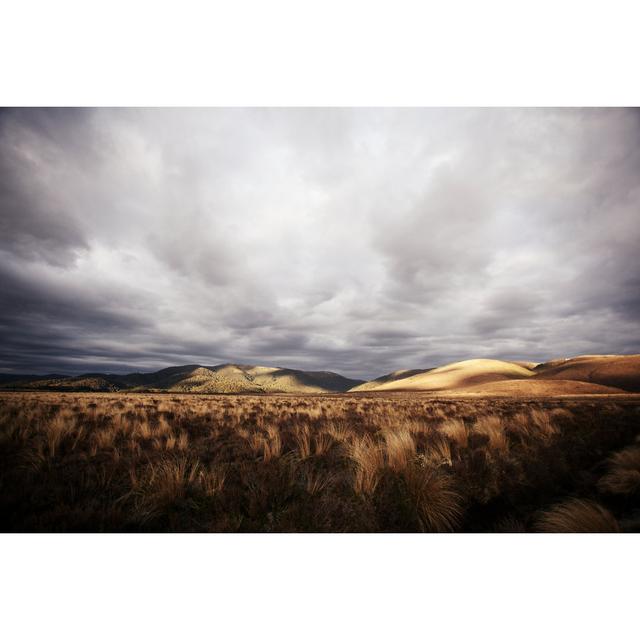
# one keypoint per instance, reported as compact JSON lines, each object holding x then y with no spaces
{"x":400,"y":448}
{"x":302,"y":437}
{"x":272,"y":443}
{"x":577,"y":516}
{"x":544,"y":422}
{"x":369,"y":460}
{"x":536,"y":424}
{"x":301,"y":463}
{"x":438,"y":504}
{"x":438,"y":452}
{"x":322,"y":443}
{"x":212,"y":480}
{"x":339,"y":432}
{"x":60,"y":426}
{"x":492,"y":427}
{"x":623,"y":476}
{"x":456,"y":431}
{"x":168,"y":480}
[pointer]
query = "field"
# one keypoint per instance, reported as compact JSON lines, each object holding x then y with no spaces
{"x":384,"y":462}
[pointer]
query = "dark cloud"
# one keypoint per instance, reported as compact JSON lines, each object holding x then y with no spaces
{"x":358,"y":240}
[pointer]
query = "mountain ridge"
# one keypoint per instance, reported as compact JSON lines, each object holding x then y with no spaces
{"x":193,"y":378}
{"x":590,"y":373}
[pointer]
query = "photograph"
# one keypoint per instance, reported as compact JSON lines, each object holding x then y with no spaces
{"x":320,"y":320}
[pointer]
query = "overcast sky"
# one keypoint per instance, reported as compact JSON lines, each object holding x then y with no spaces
{"x":355,"y":240}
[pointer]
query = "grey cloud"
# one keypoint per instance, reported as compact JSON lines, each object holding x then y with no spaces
{"x":358,"y":240}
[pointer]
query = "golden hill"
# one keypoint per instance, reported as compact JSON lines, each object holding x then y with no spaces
{"x":534,"y":387}
{"x":401,"y":374}
{"x":454,"y":376}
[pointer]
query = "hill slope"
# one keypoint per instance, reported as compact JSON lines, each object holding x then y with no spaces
{"x":534,"y":387}
{"x":401,"y":374}
{"x":614,"y":371}
{"x":455,"y":375}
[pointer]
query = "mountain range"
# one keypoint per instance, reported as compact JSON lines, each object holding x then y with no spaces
{"x":194,"y":378}
{"x":580,"y":375}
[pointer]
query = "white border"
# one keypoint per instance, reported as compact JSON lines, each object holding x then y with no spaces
{"x":319,"y":586}
{"x":334,"y":52}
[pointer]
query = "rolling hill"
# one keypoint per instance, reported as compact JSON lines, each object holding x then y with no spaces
{"x":580,"y":375}
{"x":401,"y":374}
{"x":534,"y":387}
{"x":454,"y":376}
{"x":613,"y":371}
{"x":224,"y":378}
{"x":571,"y":376}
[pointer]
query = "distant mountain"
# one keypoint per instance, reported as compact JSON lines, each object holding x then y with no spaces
{"x":56,"y":382}
{"x":224,"y":378}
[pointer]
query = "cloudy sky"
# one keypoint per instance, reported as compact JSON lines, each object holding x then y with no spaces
{"x":355,"y":240}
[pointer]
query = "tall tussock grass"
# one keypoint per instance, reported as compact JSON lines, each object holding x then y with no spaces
{"x":398,"y":462}
{"x":456,"y":431}
{"x":438,"y":505}
{"x":577,"y":516}
{"x":493,"y":427}
{"x":368,"y":457}
{"x":623,"y":476}
{"x":400,"y":448}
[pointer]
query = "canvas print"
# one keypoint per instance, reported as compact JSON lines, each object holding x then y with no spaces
{"x":320,"y":320}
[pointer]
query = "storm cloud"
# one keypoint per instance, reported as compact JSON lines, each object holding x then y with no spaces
{"x":355,"y":240}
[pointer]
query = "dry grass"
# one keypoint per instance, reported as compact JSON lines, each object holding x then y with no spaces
{"x":492,"y":427}
{"x":400,"y":448}
{"x":577,"y":516}
{"x":323,"y":443}
{"x":438,"y":505}
{"x":438,"y":453}
{"x":302,"y":437}
{"x":544,"y":421}
{"x":272,"y":444}
{"x":537,"y":424}
{"x":369,"y":460}
{"x":455,"y":430}
{"x":118,"y":462}
{"x":317,"y":481}
{"x":623,"y":477}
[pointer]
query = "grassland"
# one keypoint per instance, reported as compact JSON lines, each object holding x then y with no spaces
{"x":404,"y":462}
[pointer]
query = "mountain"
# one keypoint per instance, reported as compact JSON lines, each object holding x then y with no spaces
{"x":224,"y":378}
{"x":570,"y":376}
{"x":453,"y":376}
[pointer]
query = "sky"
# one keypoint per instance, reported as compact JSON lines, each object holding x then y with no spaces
{"x":359,"y":241}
